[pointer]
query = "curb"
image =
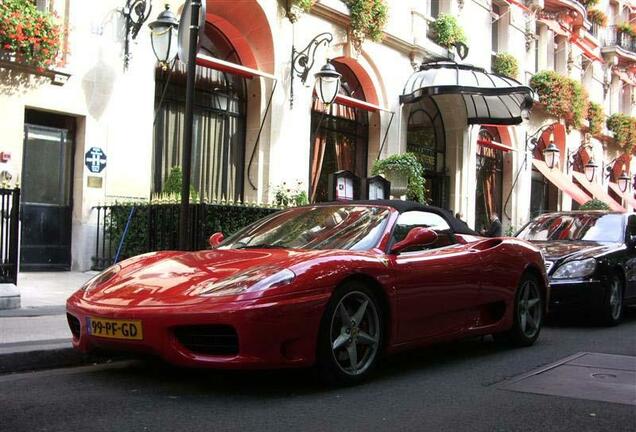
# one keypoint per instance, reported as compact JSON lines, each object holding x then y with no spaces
{"x":46,"y":354}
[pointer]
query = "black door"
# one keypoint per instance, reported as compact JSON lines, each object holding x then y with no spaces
{"x":46,"y":198}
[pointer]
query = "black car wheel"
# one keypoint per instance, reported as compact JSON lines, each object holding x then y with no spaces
{"x":351,"y":335}
{"x":528,"y":314}
{"x":611,"y":311}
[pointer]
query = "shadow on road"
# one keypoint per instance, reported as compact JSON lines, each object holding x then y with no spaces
{"x":585,"y":320}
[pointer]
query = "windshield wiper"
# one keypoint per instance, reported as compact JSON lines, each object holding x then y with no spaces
{"x":261,"y":246}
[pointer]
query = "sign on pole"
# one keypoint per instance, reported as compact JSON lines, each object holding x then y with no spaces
{"x":183,"y":38}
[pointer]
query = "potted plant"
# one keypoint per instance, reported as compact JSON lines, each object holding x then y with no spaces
{"x":506,"y":64}
{"x":294,"y":9}
{"x":447,"y":31}
{"x":368,"y":18}
{"x":596,"y":118}
{"x":624,"y":129}
{"x":405,"y":174}
{"x":28,"y":35}
{"x":562,"y":97}
{"x":597,"y":17}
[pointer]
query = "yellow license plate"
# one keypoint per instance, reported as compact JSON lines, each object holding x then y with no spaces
{"x":115,"y":329}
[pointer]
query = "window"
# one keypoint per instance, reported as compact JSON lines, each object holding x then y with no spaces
{"x":433,"y":8}
{"x":218,"y":147}
{"x":42,"y":5}
{"x":426,"y":139}
{"x":341,"y":139}
{"x":413,"y":219}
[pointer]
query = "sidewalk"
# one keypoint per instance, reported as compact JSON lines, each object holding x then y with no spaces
{"x":37,"y":335}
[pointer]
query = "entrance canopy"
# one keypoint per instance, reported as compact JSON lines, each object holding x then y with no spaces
{"x":488,"y":98}
{"x":561,"y":181}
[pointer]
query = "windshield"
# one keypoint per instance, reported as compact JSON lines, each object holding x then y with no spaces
{"x":578,"y":227}
{"x":321,"y":227}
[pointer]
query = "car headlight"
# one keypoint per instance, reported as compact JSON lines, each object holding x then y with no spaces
{"x":575,"y":269}
{"x":257,"y":279}
{"x":101,"y":278}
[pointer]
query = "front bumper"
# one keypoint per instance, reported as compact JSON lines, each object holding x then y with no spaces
{"x":271,"y":334}
{"x":575,"y":294}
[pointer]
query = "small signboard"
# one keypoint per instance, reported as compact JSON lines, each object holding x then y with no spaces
{"x":95,"y":160}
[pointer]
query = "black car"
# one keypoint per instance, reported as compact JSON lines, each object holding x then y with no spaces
{"x":590,"y":258}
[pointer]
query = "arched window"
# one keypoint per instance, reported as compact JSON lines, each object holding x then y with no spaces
{"x":488,"y":200}
{"x":341,"y":137}
{"x":426,"y":139}
{"x":218,"y":147}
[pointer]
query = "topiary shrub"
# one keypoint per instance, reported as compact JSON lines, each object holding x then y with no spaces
{"x":172,"y":186}
{"x":594,"y":204}
{"x":506,"y":64}
{"x":408,"y":165}
{"x":596,"y":118}
{"x":447,"y":31}
{"x":562,"y":97}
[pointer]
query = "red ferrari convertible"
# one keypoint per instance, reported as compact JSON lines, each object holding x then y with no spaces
{"x":337,"y":285}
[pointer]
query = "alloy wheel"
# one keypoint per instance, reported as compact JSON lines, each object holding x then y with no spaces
{"x":529,"y":309}
{"x":355,"y":333}
{"x":616,"y":299}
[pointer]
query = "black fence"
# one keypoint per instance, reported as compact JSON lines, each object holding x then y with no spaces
{"x":9,"y":226}
{"x":126,"y":230}
{"x":615,"y":37}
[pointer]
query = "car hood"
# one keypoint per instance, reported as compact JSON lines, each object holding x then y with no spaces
{"x":556,"y":250}
{"x":169,"y":278}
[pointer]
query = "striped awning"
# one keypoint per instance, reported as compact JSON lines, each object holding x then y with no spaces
{"x":488,"y":97}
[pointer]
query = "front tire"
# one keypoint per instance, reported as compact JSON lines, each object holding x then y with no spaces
{"x":611,"y":311}
{"x":528,"y":314}
{"x":351,"y":335}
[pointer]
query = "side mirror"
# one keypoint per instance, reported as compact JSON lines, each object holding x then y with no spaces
{"x":216,"y":239}
{"x":418,"y":236}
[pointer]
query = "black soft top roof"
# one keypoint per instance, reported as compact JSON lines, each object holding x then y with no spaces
{"x":457,"y":226}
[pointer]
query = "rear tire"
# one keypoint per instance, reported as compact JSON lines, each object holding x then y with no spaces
{"x":351,"y":335}
{"x":610,"y":313}
{"x":528,"y":314}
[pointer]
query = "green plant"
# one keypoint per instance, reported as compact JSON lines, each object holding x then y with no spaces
{"x":289,"y":195}
{"x":447,"y":31}
{"x":172,"y":186}
{"x":562,"y":97}
{"x":506,"y":64}
{"x":408,"y":165}
{"x":594,"y":204}
{"x":368,"y":18}
{"x":596,"y":118}
{"x":589,"y":3}
{"x":624,"y":129}
{"x":597,"y":16}
{"x":33,"y":36}
{"x":626,"y":28}
{"x":305,"y":5}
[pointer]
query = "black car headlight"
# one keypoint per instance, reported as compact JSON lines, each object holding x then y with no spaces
{"x":575,"y":269}
{"x":257,"y":279}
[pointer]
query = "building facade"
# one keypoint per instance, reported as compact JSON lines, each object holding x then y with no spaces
{"x":90,"y":131}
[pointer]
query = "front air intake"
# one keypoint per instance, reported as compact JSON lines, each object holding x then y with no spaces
{"x":208,"y":339}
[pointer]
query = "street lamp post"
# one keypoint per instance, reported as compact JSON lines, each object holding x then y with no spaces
{"x":163,"y":36}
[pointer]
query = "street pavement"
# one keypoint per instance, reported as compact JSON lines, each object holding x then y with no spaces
{"x":449,"y":387}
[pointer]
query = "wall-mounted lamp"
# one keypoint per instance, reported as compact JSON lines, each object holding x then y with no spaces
{"x":590,"y":170}
{"x":623,"y":181}
{"x":327,"y":83}
{"x":136,"y":13}
{"x":302,"y":61}
{"x":551,"y":155}
{"x":163,"y":36}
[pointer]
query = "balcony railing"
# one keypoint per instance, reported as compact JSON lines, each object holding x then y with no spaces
{"x":615,"y":37}
{"x":595,"y":30}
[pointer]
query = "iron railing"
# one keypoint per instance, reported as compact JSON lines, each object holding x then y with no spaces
{"x":615,"y":37}
{"x":125,"y":230}
{"x":9,"y":226}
